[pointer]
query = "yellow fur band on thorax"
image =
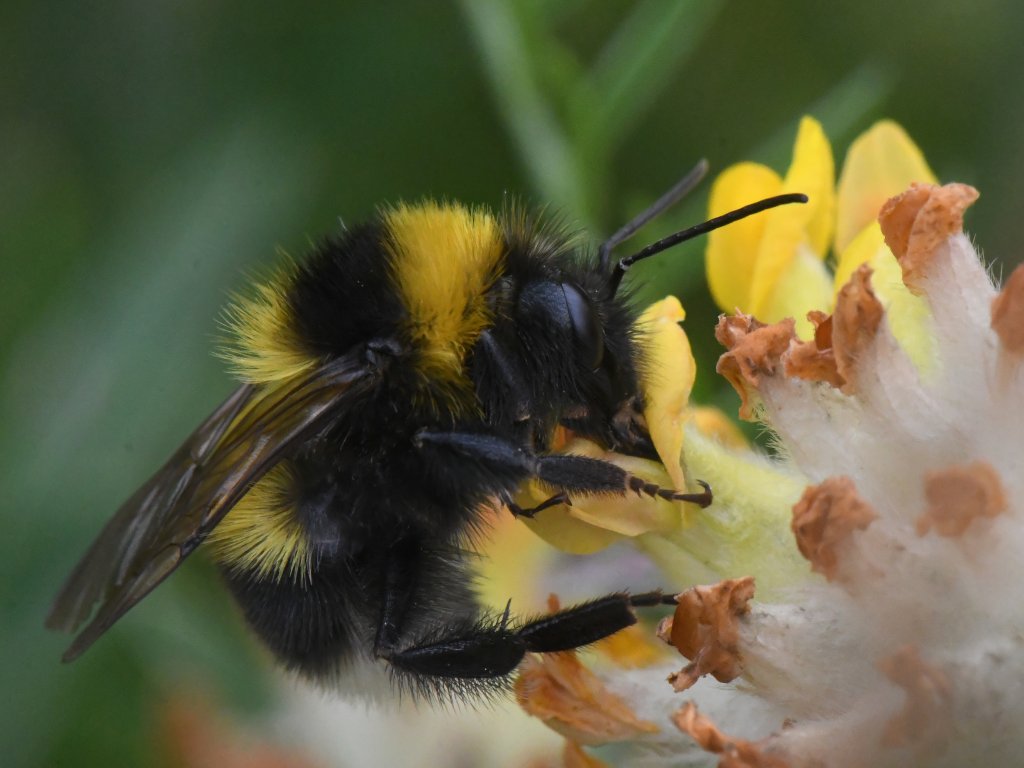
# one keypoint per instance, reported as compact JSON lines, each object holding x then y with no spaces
{"x":444,"y":257}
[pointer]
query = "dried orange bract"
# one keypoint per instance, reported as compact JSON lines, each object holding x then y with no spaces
{"x":927,"y":714}
{"x":957,"y":495}
{"x":571,"y":700}
{"x":1008,"y":312}
{"x":735,"y":753}
{"x":755,"y":350}
{"x":815,"y":360}
{"x":823,"y":520}
{"x":918,"y":221}
{"x":854,"y":324}
{"x":705,"y":629}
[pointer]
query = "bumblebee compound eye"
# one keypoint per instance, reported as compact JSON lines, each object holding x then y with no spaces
{"x":563,"y":306}
{"x":586,"y":326}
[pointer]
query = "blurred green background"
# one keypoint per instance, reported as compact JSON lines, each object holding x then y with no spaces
{"x":153,"y":153}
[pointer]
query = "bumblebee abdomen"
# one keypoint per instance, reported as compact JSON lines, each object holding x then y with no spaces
{"x":263,"y":534}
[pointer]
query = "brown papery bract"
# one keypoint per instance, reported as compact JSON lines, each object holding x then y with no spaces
{"x":918,"y":221}
{"x":815,"y":360}
{"x":572,"y":700}
{"x":705,"y":629}
{"x":855,"y":324}
{"x":1008,"y":313}
{"x":927,"y":715}
{"x":840,"y":338}
{"x":735,"y":753}
{"x":958,"y":495}
{"x":825,"y":518}
{"x":755,"y":350}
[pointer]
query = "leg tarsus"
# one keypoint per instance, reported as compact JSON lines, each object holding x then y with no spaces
{"x":702,"y":500}
{"x":651,"y":599}
{"x":554,"y":501}
{"x":641,"y":486}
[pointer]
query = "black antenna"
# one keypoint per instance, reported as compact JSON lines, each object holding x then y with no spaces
{"x":699,"y":229}
{"x":681,"y":189}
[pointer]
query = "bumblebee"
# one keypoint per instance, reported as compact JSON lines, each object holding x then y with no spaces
{"x":407,"y":373}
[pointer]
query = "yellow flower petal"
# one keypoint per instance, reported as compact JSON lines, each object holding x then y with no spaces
{"x":881,"y":163}
{"x":908,"y":315}
{"x":862,"y":249}
{"x":668,"y":380}
{"x":813,"y":172}
{"x":511,"y":550}
{"x":559,"y":528}
{"x":794,"y":231}
{"x":628,"y":515}
{"x":575,"y":537}
{"x":805,"y":285}
{"x":732,"y":251}
{"x":594,"y":522}
{"x":714,"y":423}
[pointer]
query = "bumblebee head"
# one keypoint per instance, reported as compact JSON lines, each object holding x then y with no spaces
{"x":582,"y":346}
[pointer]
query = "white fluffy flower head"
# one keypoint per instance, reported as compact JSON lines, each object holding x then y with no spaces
{"x":910,"y":649}
{"x":876,"y":621}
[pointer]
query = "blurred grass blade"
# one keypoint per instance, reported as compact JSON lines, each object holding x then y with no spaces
{"x":843,"y":110}
{"x":540,"y":140}
{"x":635,"y":66}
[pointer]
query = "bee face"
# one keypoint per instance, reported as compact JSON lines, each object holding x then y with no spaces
{"x":405,"y":374}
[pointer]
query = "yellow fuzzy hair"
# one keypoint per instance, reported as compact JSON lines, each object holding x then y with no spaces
{"x":262,"y":344}
{"x":443,"y":257}
{"x":261,"y":535}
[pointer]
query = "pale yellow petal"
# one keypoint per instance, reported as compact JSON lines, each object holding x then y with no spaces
{"x":908,"y":315}
{"x":881,"y":163}
{"x":510,"y":550}
{"x":558,"y":527}
{"x":861,"y":250}
{"x":805,"y":285}
{"x":629,"y":515}
{"x":713,"y":422}
{"x":593,"y":522}
{"x":796,"y":230}
{"x":668,"y":381}
{"x":813,"y":172}
{"x":732,"y":251}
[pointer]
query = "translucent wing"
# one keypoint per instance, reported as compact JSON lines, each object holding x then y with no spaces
{"x":176,"y":509}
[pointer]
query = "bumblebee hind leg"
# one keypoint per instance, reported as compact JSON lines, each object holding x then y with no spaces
{"x":494,"y":650}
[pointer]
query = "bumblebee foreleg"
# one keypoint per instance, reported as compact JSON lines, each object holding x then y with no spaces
{"x":588,"y":476}
{"x":552,"y":501}
{"x":580,"y":475}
